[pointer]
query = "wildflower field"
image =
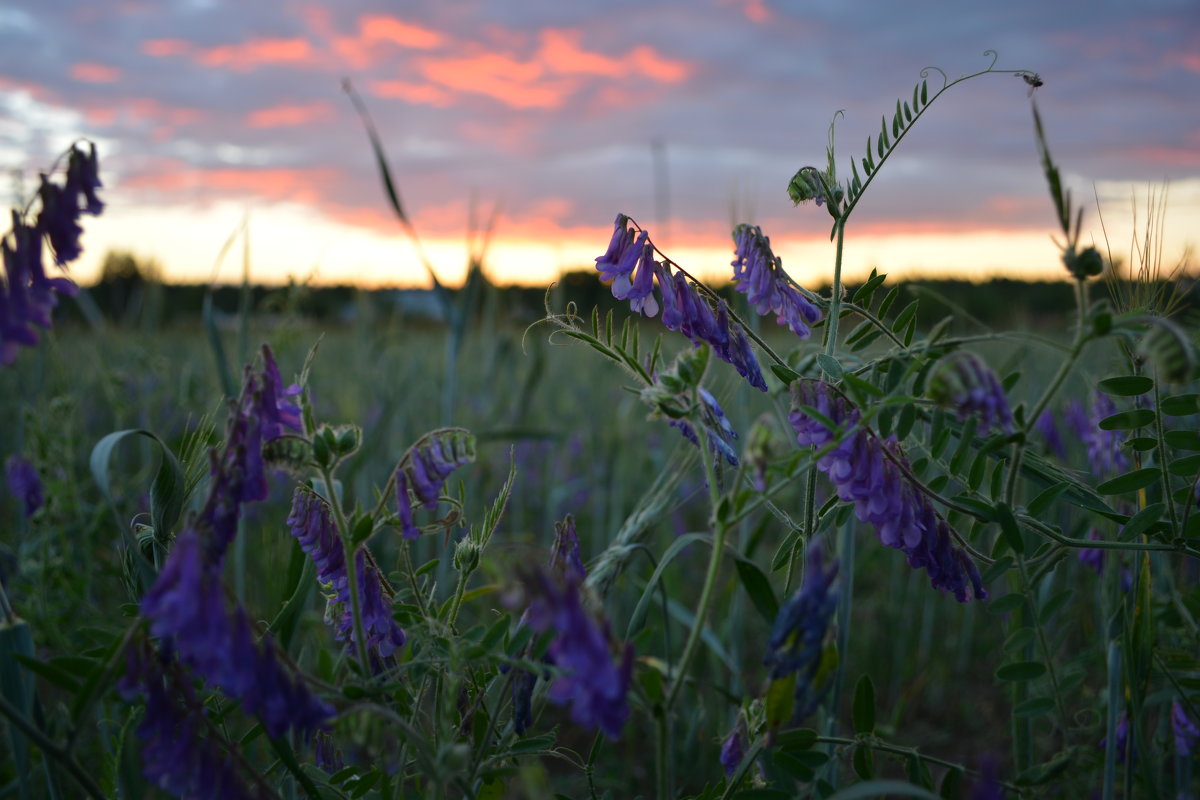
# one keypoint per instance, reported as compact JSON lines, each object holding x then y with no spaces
{"x":743,"y":541}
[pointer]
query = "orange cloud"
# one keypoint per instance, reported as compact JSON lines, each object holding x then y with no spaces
{"x":560,"y":51}
{"x":425,"y":93}
{"x":256,"y":52}
{"x":284,"y":116}
{"x":378,"y":27}
{"x":498,"y":76}
{"x":149,"y":110}
{"x":94,"y":73}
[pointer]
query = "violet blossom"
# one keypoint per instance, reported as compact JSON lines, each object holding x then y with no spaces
{"x":797,"y":638}
{"x":424,"y":469}
{"x":760,"y":276}
{"x":24,"y":483}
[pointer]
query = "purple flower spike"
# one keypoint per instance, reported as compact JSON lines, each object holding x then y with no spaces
{"x":424,"y":470}
{"x":609,"y":264}
{"x":1187,"y":733}
{"x":24,"y":483}
{"x":590,"y":682}
{"x":873,"y":475}
{"x":760,"y":276}
{"x":962,"y":381}
{"x":564,"y":556}
{"x":1048,"y":430}
{"x":798,"y":634}
{"x":733,"y":749}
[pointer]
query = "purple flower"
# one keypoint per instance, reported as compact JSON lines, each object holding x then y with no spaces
{"x":187,"y":610}
{"x":182,"y":753}
{"x":590,"y":682}
{"x":798,"y":633}
{"x":310,"y":522}
{"x":424,"y":470}
{"x":874,"y":476}
{"x":733,"y":749}
{"x":760,"y":276}
{"x":326,"y":754}
{"x":1048,"y":430}
{"x":564,"y":555}
{"x":24,"y":483}
{"x":712,"y":419}
{"x":1123,"y":743}
{"x":1187,"y":733}
{"x":683,"y":308}
{"x":963,"y":381}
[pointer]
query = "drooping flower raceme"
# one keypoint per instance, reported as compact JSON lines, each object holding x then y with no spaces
{"x":1103,"y":447}
{"x":963,"y":382}
{"x":798,"y":633}
{"x":733,"y":749}
{"x":874,"y":476}
{"x":1048,"y":429}
{"x":312,"y":525}
{"x":187,"y":607}
{"x":593,"y":685}
{"x":24,"y":483}
{"x":629,"y":263}
{"x":424,"y":470}
{"x":760,"y":276}
{"x":27,"y":295}
{"x":179,"y":751}
{"x":719,"y":430}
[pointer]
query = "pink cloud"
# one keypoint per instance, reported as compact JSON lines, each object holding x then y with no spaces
{"x":162,"y":48}
{"x":254,"y":53}
{"x":379,"y":27}
{"x":273,"y":184}
{"x":500,"y":76}
{"x":94,"y":73}
{"x":287,"y":116}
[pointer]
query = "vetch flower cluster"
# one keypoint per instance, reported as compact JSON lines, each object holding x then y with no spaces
{"x":867,"y":472}
{"x":28,"y":296}
{"x":24,"y":483}
{"x":1104,"y":447}
{"x":179,"y":753}
{"x":187,"y":607}
{"x":760,"y":276}
{"x":962,"y":381}
{"x":733,"y":749}
{"x":312,"y":525}
{"x":798,"y":633}
{"x":424,"y":470}
{"x":590,"y":681}
{"x":630,"y":265}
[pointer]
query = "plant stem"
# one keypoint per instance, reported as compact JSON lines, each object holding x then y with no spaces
{"x":348,"y":550}
{"x":835,"y":296}
{"x":710,"y":577}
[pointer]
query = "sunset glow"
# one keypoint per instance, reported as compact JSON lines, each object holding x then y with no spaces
{"x":690,"y":122}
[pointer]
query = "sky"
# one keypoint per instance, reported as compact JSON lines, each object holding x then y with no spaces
{"x":548,"y":117}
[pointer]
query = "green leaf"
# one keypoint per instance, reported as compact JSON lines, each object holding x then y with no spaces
{"x":1180,"y":405}
{"x":830,"y":365}
{"x":1043,"y":501}
{"x":1130,"y":481}
{"x":905,"y":316}
{"x":1127,"y":420}
{"x":167,"y":489}
{"x":864,"y":706}
{"x":677,"y":546}
{"x":784,"y":374}
{"x":759,"y":588}
{"x":1053,"y":605}
{"x":865,"y":291}
{"x":1186,"y":466}
{"x":1009,"y":529}
{"x":888,"y":300}
{"x":1021,"y":671}
{"x":797,"y":739}
{"x":1183,"y":440}
{"x":1126,"y":385}
{"x":1142,"y":521}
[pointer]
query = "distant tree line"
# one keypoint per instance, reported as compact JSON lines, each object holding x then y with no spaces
{"x":130,"y":292}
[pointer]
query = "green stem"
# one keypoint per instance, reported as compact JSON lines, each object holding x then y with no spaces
{"x":1045,"y":648}
{"x":662,"y":759}
{"x":348,"y":551}
{"x":835,"y":297}
{"x":720,"y":529}
{"x":1160,"y":435}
